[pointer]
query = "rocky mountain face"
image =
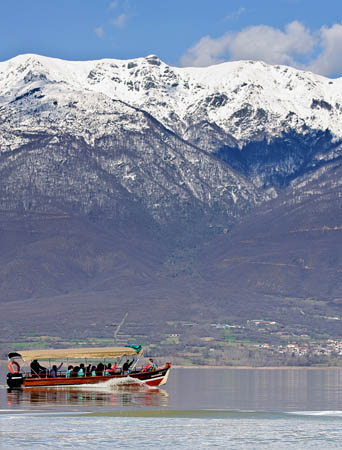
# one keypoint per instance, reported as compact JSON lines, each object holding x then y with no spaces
{"x":135,"y":158}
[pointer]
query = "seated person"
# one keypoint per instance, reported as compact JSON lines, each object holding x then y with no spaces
{"x":109,"y":369}
{"x":126,"y":366}
{"x":69,"y":371}
{"x":150,"y":366}
{"x":93,"y":371}
{"x":81,"y":371}
{"x":75,"y":370}
{"x":37,"y":369}
{"x":100,"y":369}
{"x":54,"y":370}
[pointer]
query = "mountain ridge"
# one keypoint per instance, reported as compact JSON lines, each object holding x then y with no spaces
{"x":215,"y":93}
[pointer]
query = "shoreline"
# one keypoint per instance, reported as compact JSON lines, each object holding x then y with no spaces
{"x":176,"y":366}
{"x":4,"y":362}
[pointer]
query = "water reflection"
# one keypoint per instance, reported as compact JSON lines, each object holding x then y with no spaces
{"x":228,"y":389}
{"x":121,"y":396}
{"x":257,"y":389}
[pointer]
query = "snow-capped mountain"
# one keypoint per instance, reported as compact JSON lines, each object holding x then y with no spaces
{"x":244,"y":99}
{"x":139,"y":135}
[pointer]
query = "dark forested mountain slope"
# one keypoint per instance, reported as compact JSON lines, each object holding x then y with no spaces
{"x":289,"y":247}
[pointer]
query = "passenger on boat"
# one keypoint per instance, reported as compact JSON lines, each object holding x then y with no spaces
{"x":108,"y":368}
{"x":100,"y":369}
{"x":126,"y":366}
{"x":54,"y":371}
{"x":88,"y":370}
{"x":37,"y":369}
{"x":68,"y":372}
{"x":93,"y":371}
{"x":75,"y":370}
{"x":81,"y":371}
{"x":111,"y":370}
{"x":150,"y":366}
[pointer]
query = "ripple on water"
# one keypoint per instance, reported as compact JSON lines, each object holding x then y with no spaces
{"x":244,"y":431}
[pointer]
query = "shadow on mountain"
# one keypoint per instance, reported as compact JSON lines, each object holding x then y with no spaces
{"x":44,"y":255}
{"x":285,"y":253}
{"x":279,"y":161}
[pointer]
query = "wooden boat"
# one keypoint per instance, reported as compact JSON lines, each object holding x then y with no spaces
{"x":26,"y":378}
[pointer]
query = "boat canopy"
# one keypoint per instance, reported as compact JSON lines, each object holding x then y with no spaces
{"x":71,"y":353}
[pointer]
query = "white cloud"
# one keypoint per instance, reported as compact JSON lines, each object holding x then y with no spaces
{"x":120,"y":21}
{"x":235,"y":15}
{"x":206,"y":52}
{"x":257,"y":42}
{"x":293,"y":46}
{"x":271,"y":45}
{"x":329,"y":61}
{"x":99,"y":31}
{"x":113,"y":5}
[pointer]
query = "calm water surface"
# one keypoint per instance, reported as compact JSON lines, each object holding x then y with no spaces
{"x":222,"y":408}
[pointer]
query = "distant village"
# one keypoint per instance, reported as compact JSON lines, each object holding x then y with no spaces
{"x":255,"y":342}
{"x":294,"y":345}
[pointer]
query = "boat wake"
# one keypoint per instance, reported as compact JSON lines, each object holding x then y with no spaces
{"x":115,"y":384}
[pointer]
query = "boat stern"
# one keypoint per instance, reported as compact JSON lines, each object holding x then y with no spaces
{"x":15,"y":380}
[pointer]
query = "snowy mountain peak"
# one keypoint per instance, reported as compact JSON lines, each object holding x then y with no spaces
{"x":244,"y":99}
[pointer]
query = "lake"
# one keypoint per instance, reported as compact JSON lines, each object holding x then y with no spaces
{"x":222,"y":408}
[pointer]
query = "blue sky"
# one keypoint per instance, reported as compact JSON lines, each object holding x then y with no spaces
{"x":303,"y":33}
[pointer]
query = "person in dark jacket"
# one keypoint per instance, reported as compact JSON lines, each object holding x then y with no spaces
{"x":37,"y":369}
{"x":126,"y":366}
{"x":100,"y":369}
{"x":88,"y":370}
{"x":75,"y":370}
